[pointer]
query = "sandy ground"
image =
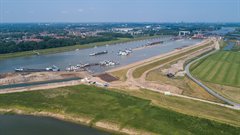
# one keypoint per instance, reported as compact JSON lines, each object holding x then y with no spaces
{"x":41,"y":87}
{"x":15,"y":78}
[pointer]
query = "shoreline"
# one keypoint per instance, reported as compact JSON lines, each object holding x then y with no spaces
{"x":106,"y":126}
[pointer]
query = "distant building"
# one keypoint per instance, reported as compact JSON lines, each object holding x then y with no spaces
{"x":184,"y":33}
{"x":125,"y":30}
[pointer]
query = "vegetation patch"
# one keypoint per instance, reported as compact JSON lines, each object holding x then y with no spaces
{"x":189,"y":87}
{"x":104,"y":105}
{"x":120,"y":74}
{"x":220,"y":68}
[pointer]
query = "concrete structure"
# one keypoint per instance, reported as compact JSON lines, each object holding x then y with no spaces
{"x":122,"y":29}
{"x":183,"y":33}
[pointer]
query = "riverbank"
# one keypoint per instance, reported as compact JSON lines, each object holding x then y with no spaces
{"x":81,"y":120}
{"x":71,"y":48}
{"x":115,"y":111}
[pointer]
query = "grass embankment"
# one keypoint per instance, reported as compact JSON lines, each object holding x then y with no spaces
{"x":189,"y":107}
{"x":120,"y":74}
{"x":189,"y":87}
{"x":221,"y":68}
{"x":70,"y":48}
{"x":140,"y":70}
{"x":127,"y":111}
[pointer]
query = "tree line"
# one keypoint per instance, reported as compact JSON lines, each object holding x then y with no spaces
{"x":48,"y":42}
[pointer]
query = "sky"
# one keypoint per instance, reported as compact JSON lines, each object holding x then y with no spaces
{"x":119,"y":11}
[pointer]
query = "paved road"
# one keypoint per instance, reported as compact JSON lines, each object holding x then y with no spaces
{"x":212,"y":92}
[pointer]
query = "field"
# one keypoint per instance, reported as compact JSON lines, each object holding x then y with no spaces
{"x":221,"y":72}
{"x":222,"y":68}
{"x":128,"y":111}
{"x":70,"y":48}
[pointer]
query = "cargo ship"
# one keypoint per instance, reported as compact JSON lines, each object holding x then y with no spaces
{"x":48,"y":69}
{"x":98,"y":53}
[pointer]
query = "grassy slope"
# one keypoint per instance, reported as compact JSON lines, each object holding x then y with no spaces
{"x":221,"y":68}
{"x":189,"y":107}
{"x":139,"y":71}
{"x":227,"y":91}
{"x":189,"y":87}
{"x":120,"y":74}
{"x":69,"y":48}
{"x":102,"y":104}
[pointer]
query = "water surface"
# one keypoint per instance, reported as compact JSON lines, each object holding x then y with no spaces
{"x":31,"y":125}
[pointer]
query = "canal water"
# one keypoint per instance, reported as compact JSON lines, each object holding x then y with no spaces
{"x":63,"y":60}
{"x":31,"y":125}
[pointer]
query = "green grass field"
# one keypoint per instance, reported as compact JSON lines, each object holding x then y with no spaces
{"x":220,"y":72}
{"x":222,"y":68}
{"x":126,"y":110}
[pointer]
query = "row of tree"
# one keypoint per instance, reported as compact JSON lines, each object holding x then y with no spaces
{"x":10,"y":47}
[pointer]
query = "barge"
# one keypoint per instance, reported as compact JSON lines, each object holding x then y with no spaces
{"x":98,"y":53}
{"x":154,"y":43}
{"x":48,"y":69}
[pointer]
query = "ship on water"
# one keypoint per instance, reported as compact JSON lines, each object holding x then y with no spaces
{"x":98,"y":53}
{"x":125,"y":52}
{"x":48,"y":69}
{"x":154,"y":43}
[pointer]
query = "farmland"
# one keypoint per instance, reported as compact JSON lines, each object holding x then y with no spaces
{"x":221,"y":72}
{"x":221,"y":68}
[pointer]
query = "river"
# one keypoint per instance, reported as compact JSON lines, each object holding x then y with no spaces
{"x":31,"y":125}
{"x":64,"y":59}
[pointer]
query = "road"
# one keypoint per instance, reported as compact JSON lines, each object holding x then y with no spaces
{"x":212,"y":92}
